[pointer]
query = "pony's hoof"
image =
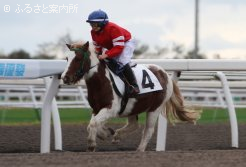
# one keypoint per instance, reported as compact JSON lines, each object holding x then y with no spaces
{"x":140,"y":150}
{"x":112,"y":132}
{"x":91,"y":149}
{"x":101,"y":137}
{"x":116,"y":138}
{"x":116,"y":141}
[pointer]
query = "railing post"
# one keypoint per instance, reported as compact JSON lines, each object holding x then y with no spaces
{"x":231,"y":109}
{"x":161,"y":133}
{"x":56,"y":119}
{"x":162,"y":122}
{"x":33,"y":97}
{"x":51,"y":91}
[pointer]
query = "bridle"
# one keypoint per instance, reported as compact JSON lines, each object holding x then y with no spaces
{"x":80,"y":73}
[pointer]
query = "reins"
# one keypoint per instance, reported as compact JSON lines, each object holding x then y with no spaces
{"x":86,"y":56}
{"x":80,"y":73}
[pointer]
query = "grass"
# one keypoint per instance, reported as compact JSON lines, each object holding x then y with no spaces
{"x":221,"y":115}
{"x":15,"y":116}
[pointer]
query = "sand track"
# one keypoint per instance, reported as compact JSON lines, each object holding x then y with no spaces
{"x":187,"y":145}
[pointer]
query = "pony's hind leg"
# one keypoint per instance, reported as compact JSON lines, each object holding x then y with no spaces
{"x":149,"y":129}
{"x":130,"y":127}
{"x":104,"y":132}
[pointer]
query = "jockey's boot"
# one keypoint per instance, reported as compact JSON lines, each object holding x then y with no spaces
{"x":131,"y":80}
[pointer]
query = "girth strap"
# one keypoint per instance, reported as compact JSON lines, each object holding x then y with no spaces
{"x":124,"y":97}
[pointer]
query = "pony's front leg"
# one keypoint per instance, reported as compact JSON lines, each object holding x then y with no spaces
{"x":92,"y":131}
{"x":103,"y":131}
{"x":96,"y":123}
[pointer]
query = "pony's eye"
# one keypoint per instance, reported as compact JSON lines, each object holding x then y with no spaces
{"x":67,"y":58}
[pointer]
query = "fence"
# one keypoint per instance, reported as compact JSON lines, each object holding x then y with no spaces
{"x":23,"y":69}
{"x":205,"y":93}
{"x":30,"y":94}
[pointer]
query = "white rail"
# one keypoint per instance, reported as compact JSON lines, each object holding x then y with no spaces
{"x":197,"y":64}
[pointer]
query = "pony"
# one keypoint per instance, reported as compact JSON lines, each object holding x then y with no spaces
{"x":106,"y":103}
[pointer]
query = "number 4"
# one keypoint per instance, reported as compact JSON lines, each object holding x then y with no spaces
{"x":147,"y":82}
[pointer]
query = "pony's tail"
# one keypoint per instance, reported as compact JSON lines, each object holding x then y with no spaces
{"x":176,"y":111}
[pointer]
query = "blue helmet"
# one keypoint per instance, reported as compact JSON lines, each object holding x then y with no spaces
{"x":98,"y":16}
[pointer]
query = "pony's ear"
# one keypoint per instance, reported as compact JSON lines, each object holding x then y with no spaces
{"x":69,"y":46}
{"x":86,"y":45}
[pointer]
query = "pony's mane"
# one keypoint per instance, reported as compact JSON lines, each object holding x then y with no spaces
{"x":92,"y":48}
{"x":92,"y":51}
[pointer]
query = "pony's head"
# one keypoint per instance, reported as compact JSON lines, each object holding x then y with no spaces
{"x":78,"y":64}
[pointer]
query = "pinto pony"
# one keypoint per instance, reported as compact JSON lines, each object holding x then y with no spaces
{"x":106,"y":103}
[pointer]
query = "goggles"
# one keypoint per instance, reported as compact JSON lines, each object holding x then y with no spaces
{"x":94,"y":24}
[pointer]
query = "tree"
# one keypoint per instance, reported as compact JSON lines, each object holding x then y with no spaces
{"x":19,"y":54}
{"x":178,"y":50}
{"x":140,"y":49}
{"x":2,"y":56}
{"x":191,"y":55}
{"x":51,"y":50}
{"x":44,"y":56}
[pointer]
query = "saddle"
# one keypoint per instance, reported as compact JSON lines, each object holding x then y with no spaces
{"x":146,"y":80}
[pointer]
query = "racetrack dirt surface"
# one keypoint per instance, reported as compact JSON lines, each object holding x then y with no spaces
{"x":201,"y":145}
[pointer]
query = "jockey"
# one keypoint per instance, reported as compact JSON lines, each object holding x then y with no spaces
{"x":113,"y":42}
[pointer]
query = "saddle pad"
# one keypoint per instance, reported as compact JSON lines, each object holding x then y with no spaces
{"x":146,"y":80}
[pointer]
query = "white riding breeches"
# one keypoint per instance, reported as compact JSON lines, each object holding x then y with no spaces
{"x":127,"y":53}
